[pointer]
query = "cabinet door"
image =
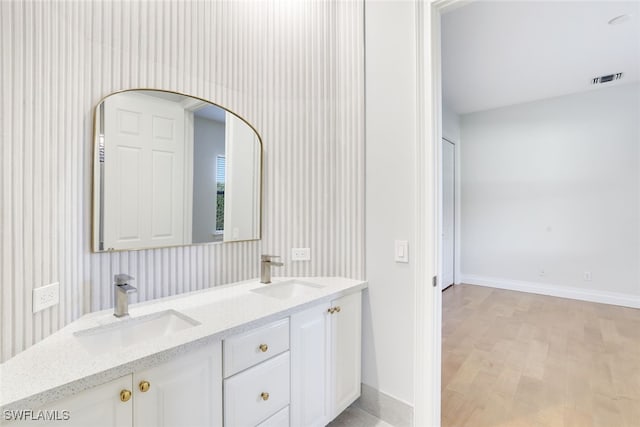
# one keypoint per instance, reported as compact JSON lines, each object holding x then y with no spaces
{"x":99,"y":406}
{"x":184,"y":392}
{"x":310,"y":370}
{"x":346,"y":333}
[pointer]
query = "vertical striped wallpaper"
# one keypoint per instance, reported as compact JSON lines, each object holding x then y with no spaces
{"x":293,"y":68}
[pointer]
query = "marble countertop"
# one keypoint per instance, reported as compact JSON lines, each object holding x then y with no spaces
{"x":60,"y":366}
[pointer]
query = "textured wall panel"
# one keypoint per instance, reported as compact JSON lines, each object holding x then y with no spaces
{"x":293,"y":68}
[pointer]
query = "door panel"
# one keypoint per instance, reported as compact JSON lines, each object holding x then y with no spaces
{"x":310,"y":341}
{"x":184,"y":392}
{"x":346,"y":328}
{"x":97,"y":407}
{"x":448,"y":212}
{"x":144,"y":135}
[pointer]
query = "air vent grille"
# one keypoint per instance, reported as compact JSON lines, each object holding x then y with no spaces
{"x":606,"y":79}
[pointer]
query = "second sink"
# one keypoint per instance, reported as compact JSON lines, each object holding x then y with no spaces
{"x":286,"y":290}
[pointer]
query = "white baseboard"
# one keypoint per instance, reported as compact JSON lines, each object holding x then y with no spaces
{"x":385,"y":407}
{"x":613,"y":298}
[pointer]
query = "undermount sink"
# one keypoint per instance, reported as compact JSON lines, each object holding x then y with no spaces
{"x":286,"y":290}
{"x":132,"y":331}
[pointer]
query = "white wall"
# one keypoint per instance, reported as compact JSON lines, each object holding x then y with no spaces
{"x":389,"y":315}
{"x":208,"y":143}
{"x":554,"y":185}
{"x":292,"y":68}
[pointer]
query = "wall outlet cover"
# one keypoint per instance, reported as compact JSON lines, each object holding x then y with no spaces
{"x":46,"y":296}
{"x":300,"y":254}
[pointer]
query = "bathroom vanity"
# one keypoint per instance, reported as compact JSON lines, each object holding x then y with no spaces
{"x":246,"y":354}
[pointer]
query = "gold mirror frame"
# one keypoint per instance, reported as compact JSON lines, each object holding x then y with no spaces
{"x":98,"y":205}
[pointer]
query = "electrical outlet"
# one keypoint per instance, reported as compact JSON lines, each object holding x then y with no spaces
{"x":587,"y":276}
{"x":46,"y":296}
{"x":300,"y":254}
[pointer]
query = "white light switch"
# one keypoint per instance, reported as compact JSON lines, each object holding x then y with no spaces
{"x":402,"y":251}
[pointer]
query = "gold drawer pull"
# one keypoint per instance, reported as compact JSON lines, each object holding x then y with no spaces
{"x":263,"y":348}
{"x":144,"y":386}
{"x":125,"y":395}
{"x":264,"y":396}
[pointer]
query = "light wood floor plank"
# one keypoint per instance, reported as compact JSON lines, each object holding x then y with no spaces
{"x":514,"y":359}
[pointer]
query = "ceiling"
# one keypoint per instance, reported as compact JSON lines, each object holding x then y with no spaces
{"x":499,"y":53}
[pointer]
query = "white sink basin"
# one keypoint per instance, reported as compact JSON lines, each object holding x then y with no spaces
{"x":286,"y":290}
{"x":131,"y":331}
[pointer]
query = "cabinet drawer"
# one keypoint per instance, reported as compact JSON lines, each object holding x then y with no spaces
{"x":244,"y":404}
{"x":281,"y":419}
{"x":257,"y":345}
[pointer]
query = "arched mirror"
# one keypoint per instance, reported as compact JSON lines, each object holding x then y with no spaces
{"x":172,"y":170}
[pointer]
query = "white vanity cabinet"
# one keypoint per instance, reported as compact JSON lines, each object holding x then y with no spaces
{"x":325,"y":360}
{"x":300,"y":370}
{"x":186,"y":391}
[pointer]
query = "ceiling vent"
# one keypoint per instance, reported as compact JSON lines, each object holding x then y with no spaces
{"x":606,"y":79}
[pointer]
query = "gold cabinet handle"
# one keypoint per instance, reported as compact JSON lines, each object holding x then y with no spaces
{"x":331,"y":310}
{"x":144,"y":386}
{"x":264,"y":396}
{"x":338,"y":309}
{"x":263,"y":348}
{"x":125,"y":395}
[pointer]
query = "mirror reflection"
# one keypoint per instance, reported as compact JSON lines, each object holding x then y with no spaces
{"x":171,"y":170}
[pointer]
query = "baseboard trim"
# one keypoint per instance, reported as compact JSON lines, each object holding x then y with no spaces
{"x":387,"y":408}
{"x":590,"y":295}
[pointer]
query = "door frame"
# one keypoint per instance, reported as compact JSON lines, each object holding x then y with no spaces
{"x":428,"y":298}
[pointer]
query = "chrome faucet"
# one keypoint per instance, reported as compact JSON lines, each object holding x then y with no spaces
{"x":265,"y":267}
{"x":121,"y":292}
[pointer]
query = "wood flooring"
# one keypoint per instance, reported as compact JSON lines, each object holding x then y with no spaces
{"x":518,"y":359}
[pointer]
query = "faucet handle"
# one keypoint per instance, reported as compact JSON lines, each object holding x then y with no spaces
{"x":122,"y":279}
{"x":268,"y":257}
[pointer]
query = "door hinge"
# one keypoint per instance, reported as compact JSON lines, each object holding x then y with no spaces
{"x":435,"y":281}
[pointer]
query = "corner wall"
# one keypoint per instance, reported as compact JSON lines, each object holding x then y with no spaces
{"x":551,"y":191}
{"x":391,"y":126}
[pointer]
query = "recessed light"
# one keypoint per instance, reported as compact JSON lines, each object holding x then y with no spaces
{"x":619,"y":19}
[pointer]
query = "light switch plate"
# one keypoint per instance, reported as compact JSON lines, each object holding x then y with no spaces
{"x":300,"y":254}
{"x":402,"y":251}
{"x":46,"y":296}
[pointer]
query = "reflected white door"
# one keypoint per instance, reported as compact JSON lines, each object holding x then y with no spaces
{"x":242,"y":181}
{"x":448,"y":212}
{"x":144,"y":172}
